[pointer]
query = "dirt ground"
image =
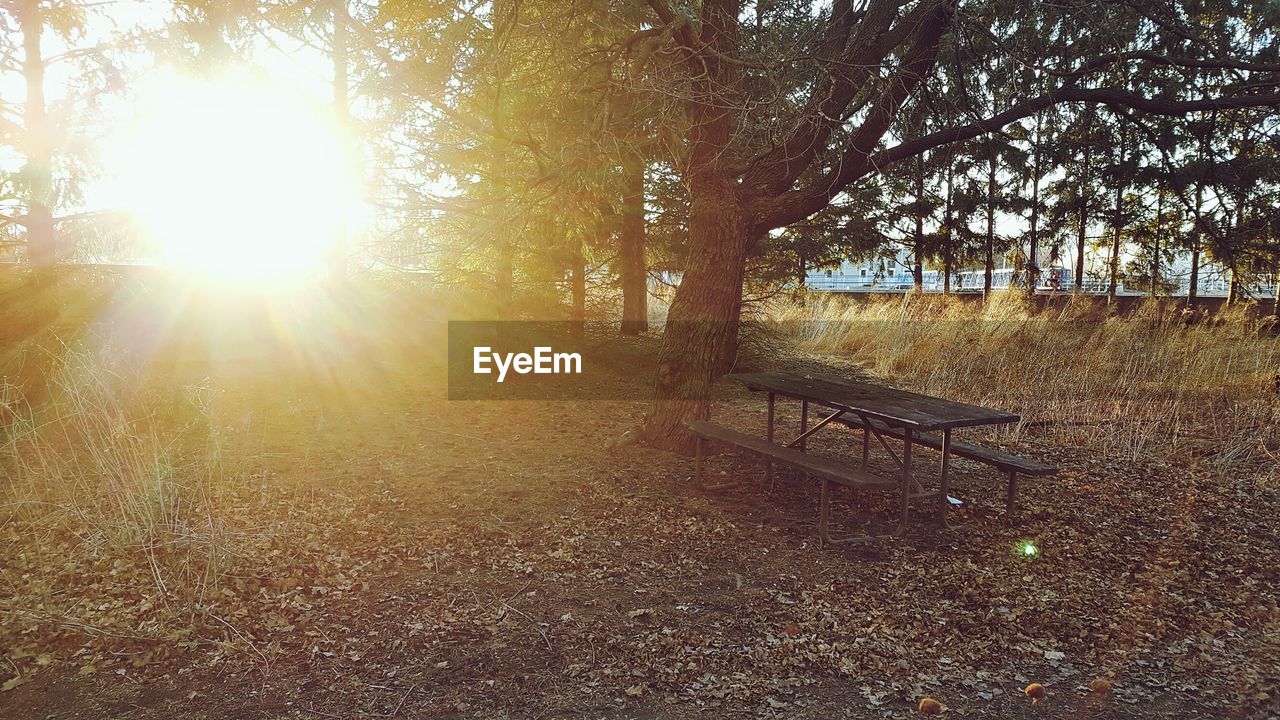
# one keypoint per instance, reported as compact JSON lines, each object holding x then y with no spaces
{"x":396,"y":554}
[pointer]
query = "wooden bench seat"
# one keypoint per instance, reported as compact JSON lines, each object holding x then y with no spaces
{"x":996,"y":458}
{"x":812,"y":464}
{"x":1012,"y":465}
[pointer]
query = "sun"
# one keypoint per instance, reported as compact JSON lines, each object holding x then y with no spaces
{"x":234,"y":178}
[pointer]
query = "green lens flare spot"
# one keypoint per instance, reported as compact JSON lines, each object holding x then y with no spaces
{"x":1029,"y":549}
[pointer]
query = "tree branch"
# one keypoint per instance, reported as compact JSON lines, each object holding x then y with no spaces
{"x":776,"y":169}
{"x":856,"y":163}
{"x":679,"y":25}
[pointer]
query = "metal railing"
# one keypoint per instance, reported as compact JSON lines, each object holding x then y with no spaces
{"x":1216,"y":285}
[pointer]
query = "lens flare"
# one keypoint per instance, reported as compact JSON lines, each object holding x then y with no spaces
{"x":233,"y":178}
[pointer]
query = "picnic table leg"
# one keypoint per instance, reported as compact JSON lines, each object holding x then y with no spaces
{"x":1011,"y":503}
{"x":944,"y":501}
{"x":906,"y":482}
{"x":768,"y":464}
{"x":804,"y":422}
{"x":866,"y":445}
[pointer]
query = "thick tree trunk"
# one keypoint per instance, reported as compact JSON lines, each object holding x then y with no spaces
{"x":702,"y":324}
{"x":634,"y":274}
{"x":42,"y":246}
{"x":1233,"y":287}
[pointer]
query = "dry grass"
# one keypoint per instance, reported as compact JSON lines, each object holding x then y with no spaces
{"x":1139,"y":385}
{"x":125,"y":465}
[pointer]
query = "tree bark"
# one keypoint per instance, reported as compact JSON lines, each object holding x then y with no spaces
{"x":701,"y":335}
{"x":702,"y":324}
{"x":631,"y":236}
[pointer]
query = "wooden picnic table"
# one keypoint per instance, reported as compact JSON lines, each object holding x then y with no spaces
{"x":882,"y":412}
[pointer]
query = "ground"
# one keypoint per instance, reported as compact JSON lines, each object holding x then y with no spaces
{"x":390,"y":553}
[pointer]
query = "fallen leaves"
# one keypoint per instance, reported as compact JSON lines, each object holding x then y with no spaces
{"x":630,"y":595}
{"x":1036,"y":692}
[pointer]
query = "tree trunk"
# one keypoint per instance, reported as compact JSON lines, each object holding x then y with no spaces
{"x":578,"y":293}
{"x":1117,"y":226}
{"x":1113,"y":263}
{"x":1275,"y":277}
{"x":917,"y":267}
{"x":42,"y":248}
{"x":702,"y":324}
{"x":1155,"y":245}
{"x":341,"y":111}
{"x":1193,"y":288}
{"x":504,"y":19}
{"x":635,"y":285}
{"x":947,"y":252}
{"x":1033,"y":257}
{"x":1233,"y":287}
{"x":1081,"y":238}
{"x":1083,"y":217}
{"x":991,"y":229}
{"x":701,"y":334}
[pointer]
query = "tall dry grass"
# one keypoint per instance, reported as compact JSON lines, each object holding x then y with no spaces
{"x":1145,"y":384}
{"x":128,"y":467}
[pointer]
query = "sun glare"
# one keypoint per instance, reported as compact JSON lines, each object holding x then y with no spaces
{"x":235,"y":178}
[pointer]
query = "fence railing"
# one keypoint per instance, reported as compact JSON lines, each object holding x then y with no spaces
{"x":971,"y":281}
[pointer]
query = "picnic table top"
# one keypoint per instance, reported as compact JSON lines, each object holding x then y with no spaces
{"x":893,"y":406}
